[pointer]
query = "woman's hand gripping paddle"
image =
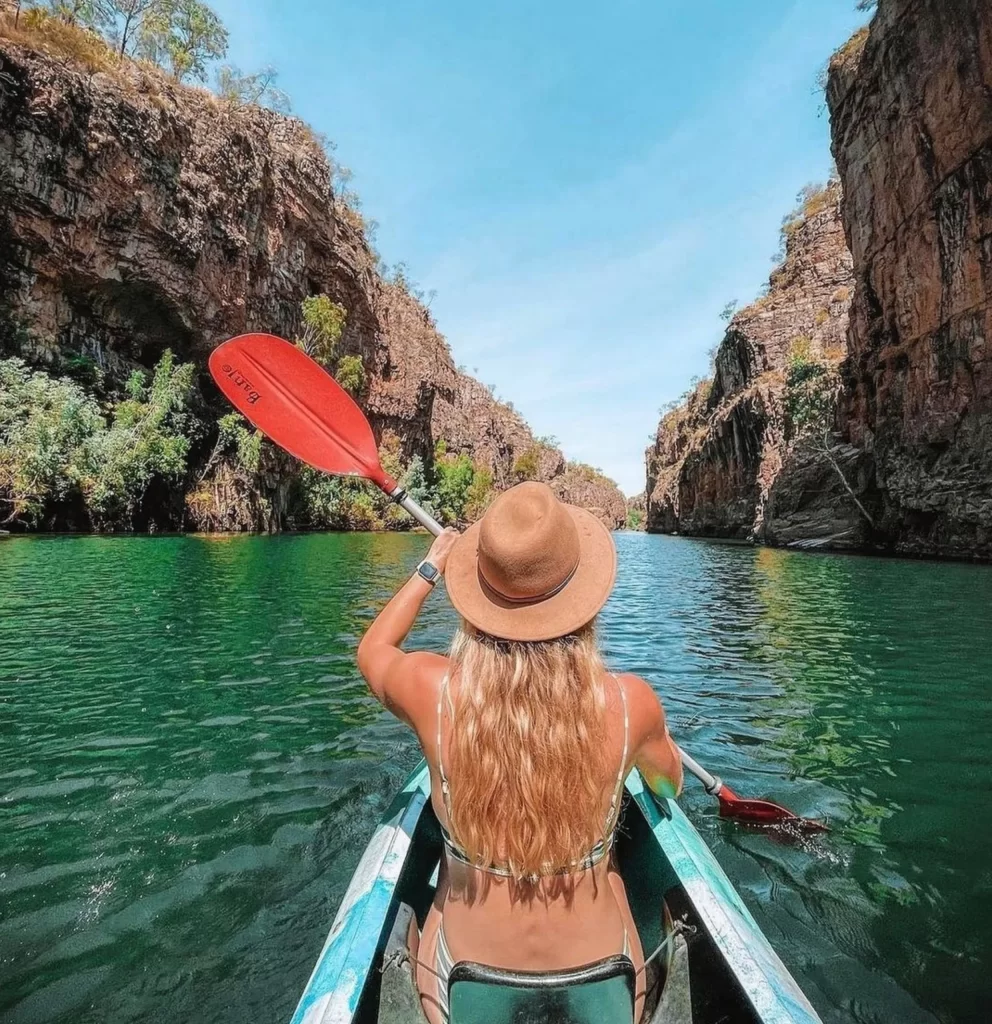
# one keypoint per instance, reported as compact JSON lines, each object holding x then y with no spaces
{"x":302,"y":408}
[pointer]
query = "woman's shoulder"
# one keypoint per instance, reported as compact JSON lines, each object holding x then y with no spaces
{"x":414,"y":696}
{"x":643,"y":703}
{"x":428,"y":671}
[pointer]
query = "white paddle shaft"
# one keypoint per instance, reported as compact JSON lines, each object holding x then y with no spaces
{"x":427,"y":521}
{"x":711,"y":783}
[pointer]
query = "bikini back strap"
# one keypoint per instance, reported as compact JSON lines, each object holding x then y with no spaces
{"x":445,"y":791}
{"x":614,"y":814}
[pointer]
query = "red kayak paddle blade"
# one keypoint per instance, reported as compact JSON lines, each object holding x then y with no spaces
{"x":762,"y":812}
{"x":298,"y":405}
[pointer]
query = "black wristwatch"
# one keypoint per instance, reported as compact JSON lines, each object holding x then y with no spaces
{"x":428,"y":571}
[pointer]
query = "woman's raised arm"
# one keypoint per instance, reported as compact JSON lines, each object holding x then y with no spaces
{"x":390,"y":672}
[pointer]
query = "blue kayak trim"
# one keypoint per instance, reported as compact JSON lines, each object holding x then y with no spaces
{"x":770,"y":988}
{"x":335,"y":987}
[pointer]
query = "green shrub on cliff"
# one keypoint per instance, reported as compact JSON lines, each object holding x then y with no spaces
{"x":44,"y":426}
{"x":480,"y":494}
{"x":390,"y":458}
{"x":810,"y":200}
{"x":323,"y":322}
{"x":351,"y":374}
{"x":455,"y":475}
{"x":234,"y":434}
{"x":347,"y":503}
{"x":528,"y":464}
{"x":341,"y":503}
{"x":810,"y":390}
{"x":149,"y":436}
{"x":414,"y":482}
{"x":326,"y":501}
{"x":55,"y":443}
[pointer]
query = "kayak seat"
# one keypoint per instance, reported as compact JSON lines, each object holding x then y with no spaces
{"x":598,"y":993}
{"x":593,"y":994}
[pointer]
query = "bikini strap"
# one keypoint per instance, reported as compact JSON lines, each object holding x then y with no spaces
{"x":445,"y":793}
{"x":614,"y":814}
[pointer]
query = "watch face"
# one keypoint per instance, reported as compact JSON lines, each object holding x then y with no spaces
{"x":428,"y":571}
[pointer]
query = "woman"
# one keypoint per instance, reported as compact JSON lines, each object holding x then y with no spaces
{"x":528,"y":738}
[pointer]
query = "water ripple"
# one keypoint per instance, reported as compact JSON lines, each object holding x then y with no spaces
{"x":190,"y":765}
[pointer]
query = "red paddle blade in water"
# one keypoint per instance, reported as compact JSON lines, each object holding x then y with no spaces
{"x":762,"y":812}
{"x":298,"y":405}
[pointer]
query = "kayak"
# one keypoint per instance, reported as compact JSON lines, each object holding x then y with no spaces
{"x":716,"y":964}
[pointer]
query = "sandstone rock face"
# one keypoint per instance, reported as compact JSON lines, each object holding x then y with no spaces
{"x":414,"y":370}
{"x":588,"y":488}
{"x":722,"y":464}
{"x":911,"y":120}
{"x":473,"y":422}
{"x":138,"y":215}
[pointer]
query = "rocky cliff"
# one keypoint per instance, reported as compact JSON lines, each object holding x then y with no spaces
{"x":473,"y":422}
{"x":138,"y":215}
{"x":587,"y":487}
{"x":725,"y":461}
{"x":911,"y":122}
{"x":881,"y":335}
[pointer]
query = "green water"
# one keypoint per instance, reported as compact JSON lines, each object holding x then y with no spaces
{"x":190,"y":766}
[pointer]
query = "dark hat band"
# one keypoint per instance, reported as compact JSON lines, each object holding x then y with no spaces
{"x":527,"y":600}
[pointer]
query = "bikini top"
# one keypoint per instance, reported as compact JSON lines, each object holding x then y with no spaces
{"x":591,"y":859}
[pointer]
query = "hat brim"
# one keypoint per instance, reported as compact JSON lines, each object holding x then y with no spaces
{"x":575,"y":605}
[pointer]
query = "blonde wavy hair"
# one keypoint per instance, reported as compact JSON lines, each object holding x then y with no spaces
{"x":528,"y":724}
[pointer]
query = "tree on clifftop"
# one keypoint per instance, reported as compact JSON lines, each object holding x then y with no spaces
{"x":242,"y":90}
{"x":126,"y":18}
{"x":88,"y":13}
{"x":186,"y":34}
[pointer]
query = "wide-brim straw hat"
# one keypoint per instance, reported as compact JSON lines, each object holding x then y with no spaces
{"x":533,"y":568}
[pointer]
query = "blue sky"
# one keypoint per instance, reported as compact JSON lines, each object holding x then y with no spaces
{"x":583,"y":185}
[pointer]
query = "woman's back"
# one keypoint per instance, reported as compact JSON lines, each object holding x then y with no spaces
{"x":528,"y":738}
{"x":557,"y":919}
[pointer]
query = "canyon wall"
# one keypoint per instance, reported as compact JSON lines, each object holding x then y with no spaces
{"x":886,"y":290}
{"x":911,"y":122}
{"x":724,"y":462}
{"x":138,"y":215}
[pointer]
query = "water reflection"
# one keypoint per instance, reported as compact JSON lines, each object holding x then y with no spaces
{"x":858,"y":682}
